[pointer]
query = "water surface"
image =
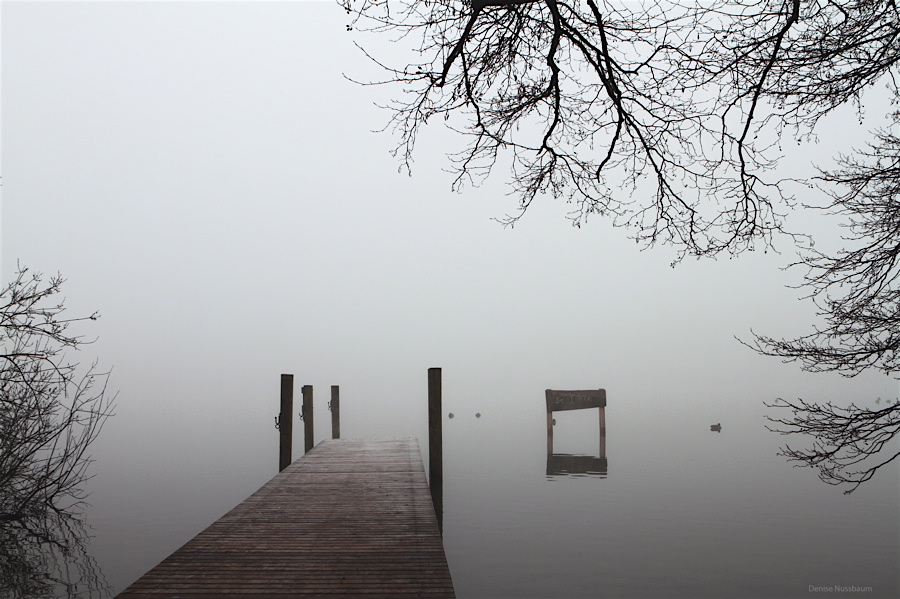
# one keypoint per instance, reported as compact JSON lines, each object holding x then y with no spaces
{"x":681,"y":511}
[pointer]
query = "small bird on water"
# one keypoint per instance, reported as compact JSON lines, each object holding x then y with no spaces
{"x":716,"y":428}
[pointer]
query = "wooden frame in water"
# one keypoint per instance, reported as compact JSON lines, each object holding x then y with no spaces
{"x":576,"y":400}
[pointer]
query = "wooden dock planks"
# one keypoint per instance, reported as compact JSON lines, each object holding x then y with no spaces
{"x":352,"y":518}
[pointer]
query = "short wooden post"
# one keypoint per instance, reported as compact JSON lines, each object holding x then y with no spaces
{"x":335,"y":407}
{"x":285,"y":421}
{"x":435,"y":453}
{"x":549,"y":432}
{"x":307,"y":391}
{"x":602,"y":431}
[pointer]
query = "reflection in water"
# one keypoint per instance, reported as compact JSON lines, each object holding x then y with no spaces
{"x":45,"y":556}
{"x":560,"y":464}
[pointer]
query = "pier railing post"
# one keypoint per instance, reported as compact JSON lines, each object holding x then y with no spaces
{"x":335,"y":407}
{"x":435,"y":442}
{"x":308,"y":441}
{"x":285,"y":421}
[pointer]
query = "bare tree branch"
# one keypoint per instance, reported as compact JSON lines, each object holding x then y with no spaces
{"x":857,"y":290}
{"x":50,"y":409}
{"x":848,"y":441}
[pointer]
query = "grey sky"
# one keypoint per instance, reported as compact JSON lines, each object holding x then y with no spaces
{"x":205,"y":177}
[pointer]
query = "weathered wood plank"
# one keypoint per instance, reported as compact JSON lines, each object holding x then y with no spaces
{"x":353,"y":517}
{"x":575,"y":400}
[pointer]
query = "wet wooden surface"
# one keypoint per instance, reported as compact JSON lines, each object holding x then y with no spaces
{"x":353,"y":517}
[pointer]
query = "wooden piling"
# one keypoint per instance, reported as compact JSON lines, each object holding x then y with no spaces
{"x":603,"y":432}
{"x":308,"y":440}
{"x":335,"y":407}
{"x":435,"y":443}
{"x":549,"y":432}
{"x":285,"y":421}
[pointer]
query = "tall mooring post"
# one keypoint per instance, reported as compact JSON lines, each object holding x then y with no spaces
{"x":335,"y":407}
{"x":285,"y":421}
{"x":435,"y":442}
{"x":307,"y":416}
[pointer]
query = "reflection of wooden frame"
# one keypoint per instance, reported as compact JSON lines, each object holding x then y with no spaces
{"x":576,"y":400}
{"x":561,"y":464}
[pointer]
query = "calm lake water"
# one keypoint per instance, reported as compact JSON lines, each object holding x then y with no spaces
{"x":682,"y":511}
{"x":701,"y":514}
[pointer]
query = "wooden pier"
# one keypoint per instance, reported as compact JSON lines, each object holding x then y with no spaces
{"x":353,"y":517}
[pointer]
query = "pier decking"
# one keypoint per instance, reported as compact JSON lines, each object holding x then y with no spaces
{"x":353,"y":517}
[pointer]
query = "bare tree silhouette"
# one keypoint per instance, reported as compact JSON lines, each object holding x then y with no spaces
{"x":591,"y":100}
{"x":857,"y":294}
{"x":851,"y":444}
{"x":856,"y":290}
{"x":51,"y":410}
{"x":668,"y":118}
